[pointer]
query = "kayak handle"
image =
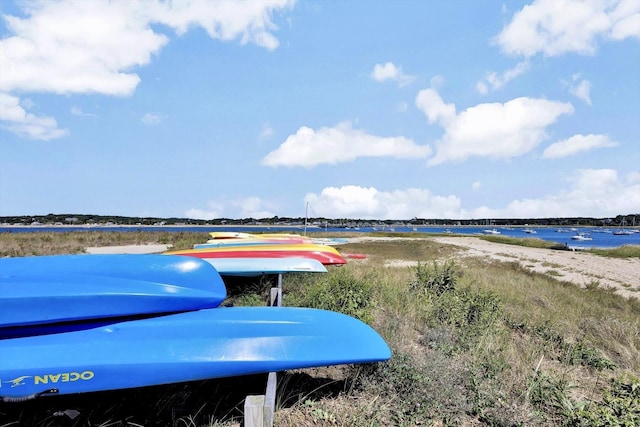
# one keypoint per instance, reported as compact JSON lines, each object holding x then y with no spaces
{"x":28,"y":397}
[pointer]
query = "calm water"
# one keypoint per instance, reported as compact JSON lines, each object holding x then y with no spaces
{"x":601,"y":238}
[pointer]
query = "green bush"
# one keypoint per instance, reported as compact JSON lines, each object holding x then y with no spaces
{"x":454,"y":317}
{"x":339,"y":291}
{"x":435,"y":279}
{"x":620,"y":406}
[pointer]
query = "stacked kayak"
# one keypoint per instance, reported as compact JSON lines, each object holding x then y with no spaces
{"x":197,"y":345}
{"x":48,"y":290}
{"x":85,"y":323}
{"x":237,"y":245}
{"x":327,"y":255}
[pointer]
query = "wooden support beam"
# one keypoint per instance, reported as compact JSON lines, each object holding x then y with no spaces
{"x":259,"y":411}
{"x":254,"y":411}
{"x":276,"y":294}
{"x":276,"y":297}
{"x":269,"y":410}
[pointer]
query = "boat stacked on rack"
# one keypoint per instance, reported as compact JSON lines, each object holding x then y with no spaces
{"x":231,"y":245}
{"x":84,"y":323}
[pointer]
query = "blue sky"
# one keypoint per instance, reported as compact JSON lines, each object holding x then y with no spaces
{"x":356,"y":109}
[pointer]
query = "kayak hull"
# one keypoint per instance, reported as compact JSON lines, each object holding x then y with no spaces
{"x":198,"y":345}
{"x":248,"y":267}
{"x":71,"y":288}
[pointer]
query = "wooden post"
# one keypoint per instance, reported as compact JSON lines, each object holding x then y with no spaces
{"x":269,"y":409}
{"x":276,"y":294}
{"x":254,"y":411}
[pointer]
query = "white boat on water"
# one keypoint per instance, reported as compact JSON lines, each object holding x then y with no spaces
{"x":530,"y":231}
{"x":582,"y":237}
{"x":491,"y":231}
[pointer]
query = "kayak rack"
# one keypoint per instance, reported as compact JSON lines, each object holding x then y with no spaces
{"x":259,"y":410}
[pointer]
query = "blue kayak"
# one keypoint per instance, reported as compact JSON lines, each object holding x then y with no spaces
{"x":73,"y":288}
{"x":197,"y":345}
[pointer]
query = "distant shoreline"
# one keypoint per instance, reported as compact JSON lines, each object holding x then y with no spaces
{"x":298,"y":226}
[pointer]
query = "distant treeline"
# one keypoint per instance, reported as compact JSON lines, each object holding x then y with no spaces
{"x":83,"y":219}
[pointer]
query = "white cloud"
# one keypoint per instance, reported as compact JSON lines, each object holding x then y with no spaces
{"x":489,"y":130}
{"x":577,"y":144}
{"x":430,"y":102}
{"x":626,"y":20}
{"x":556,"y":27}
{"x":77,"y":111}
{"x":588,"y":192}
{"x":27,"y":125}
{"x":77,"y":46}
{"x":214,"y":210}
{"x":482,"y":87}
{"x":476,"y":186}
{"x":253,"y":207}
{"x":389,"y":71}
{"x":152,"y":118}
{"x":352,"y":201}
{"x":309,"y":148}
{"x":497,"y":81}
{"x":249,"y":207}
{"x":594,"y":192}
{"x":250,"y":21}
{"x":581,"y":90}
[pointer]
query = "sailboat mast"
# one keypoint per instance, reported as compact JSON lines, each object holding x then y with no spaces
{"x":306,"y":217}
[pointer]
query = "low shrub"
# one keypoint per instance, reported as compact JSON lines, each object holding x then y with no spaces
{"x":338,"y":291}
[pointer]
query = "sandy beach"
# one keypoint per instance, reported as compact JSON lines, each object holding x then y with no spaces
{"x":577,"y":267}
{"x":580,"y":268}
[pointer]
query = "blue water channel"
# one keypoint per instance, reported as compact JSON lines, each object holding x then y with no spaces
{"x":600,"y":237}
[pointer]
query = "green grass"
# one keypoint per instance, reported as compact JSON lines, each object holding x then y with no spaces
{"x":474,"y":342}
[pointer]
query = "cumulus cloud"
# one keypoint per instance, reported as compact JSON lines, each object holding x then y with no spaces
{"x":248,"y":207}
{"x":351,"y":201}
{"x":18,"y":120}
{"x":556,"y":27}
{"x":577,"y":144}
{"x":253,"y":207}
{"x":77,"y":46}
{"x":388,"y":71}
{"x":489,"y":130}
{"x":430,"y":102}
{"x":591,"y":192}
{"x":309,"y":148}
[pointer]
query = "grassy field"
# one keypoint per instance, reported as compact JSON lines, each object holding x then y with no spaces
{"x":476,"y":344}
